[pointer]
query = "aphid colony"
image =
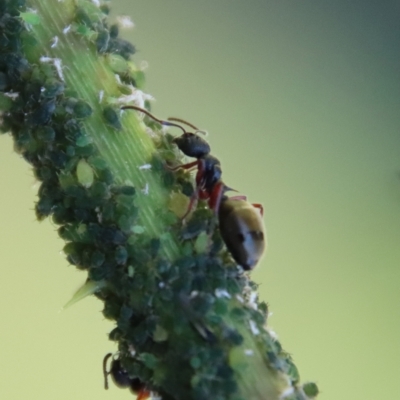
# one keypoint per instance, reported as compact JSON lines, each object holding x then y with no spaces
{"x":240,"y":223}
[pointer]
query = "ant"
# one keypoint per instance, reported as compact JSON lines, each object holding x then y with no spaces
{"x":208,"y":167}
{"x":240,"y":222}
{"x":122,"y":380}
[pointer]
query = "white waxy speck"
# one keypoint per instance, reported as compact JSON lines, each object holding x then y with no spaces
{"x":96,"y":2}
{"x":125,"y":22}
{"x":99,"y":214}
{"x":287,"y":392}
{"x":11,"y":95}
{"x":118,"y":79}
{"x":150,"y":132}
{"x":57,"y":64}
{"x":249,"y":352}
{"x":132,"y":350}
{"x":240,"y":298}
{"x":145,"y":166}
{"x":222,"y":293}
{"x":272,"y":333}
{"x":101,"y":95}
{"x":161,"y":285}
{"x":143,"y":65}
{"x":67,"y":29}
{"x":253,"y":300}
{"x":136,"y":96}
{"x":145,"y":190}
{"x":54,"y":42}
{"x":155,"y":396}
{"x":253,"y":328}
{"x":194,"y":294}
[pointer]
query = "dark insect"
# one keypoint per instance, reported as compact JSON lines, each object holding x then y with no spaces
{"x":240,"y":222}
{"x":122,"y":380}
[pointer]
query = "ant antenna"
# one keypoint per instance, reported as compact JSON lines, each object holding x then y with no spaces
{"x":183,"y":122}
{"x":197,"y":130}
{"x":160,"y":121}
{"x":105,"y":372}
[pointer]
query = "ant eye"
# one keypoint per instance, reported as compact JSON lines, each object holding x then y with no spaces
{"x":241,"y":237}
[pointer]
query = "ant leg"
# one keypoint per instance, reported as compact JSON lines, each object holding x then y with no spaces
{"x":260,"y":207}
{"x":193,"y":199}
{"x":216,"y":196}
{"x":105,"y":372}
{"x":184,"y":166}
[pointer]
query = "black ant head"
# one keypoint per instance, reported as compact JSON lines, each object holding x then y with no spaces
{"x":191,"y":144}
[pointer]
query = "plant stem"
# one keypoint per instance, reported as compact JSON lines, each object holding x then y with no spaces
{"x":188,"y":322}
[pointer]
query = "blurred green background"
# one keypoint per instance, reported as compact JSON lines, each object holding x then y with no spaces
{"x":301,"y":100}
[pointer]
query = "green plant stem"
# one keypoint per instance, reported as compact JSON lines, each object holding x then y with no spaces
{"x":184,"y":307}
{"x":88,"y":74}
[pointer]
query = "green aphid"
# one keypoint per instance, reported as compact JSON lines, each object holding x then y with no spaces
{"x":97,"y":259}
{"x":138,"y":229}
{"x":115,"y":335}
{"x":111,"y":118}
{"x":97,"y":162}
{"x":5,"y":102}
{"x":121,"y":255}
{"x":44,"y":111}
{"x":124,"y":190}
{"x":66,"y":180}
{"x":310,"y":389}
{"x":160,"y":334}
{"x":102,"y":41}
{"x":112,"y":308}
{"x":46,"y":134}
{"x":97,"y":274}
{"x":81,"y":109}
{"x":125,"y":223}
{"x":117,"y":63}
{"x":99,"y":190}
{"x":114,"y":31}
{"x":84,"y":173}
{"x":83,"y":140}
{"x":155,"y":245}
{"x":44,"y":173}
{"x":221,"y":307}
{"x":30,"y":18}
{"x":52,"y":88}
{"x":125,"y":315}
{"x":106,"y":176}
{"x":149,"y":360}
{"x":25,"y":141}
{"x":202,"y":243}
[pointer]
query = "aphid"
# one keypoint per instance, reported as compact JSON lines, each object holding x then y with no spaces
{"x":122,"y":380}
